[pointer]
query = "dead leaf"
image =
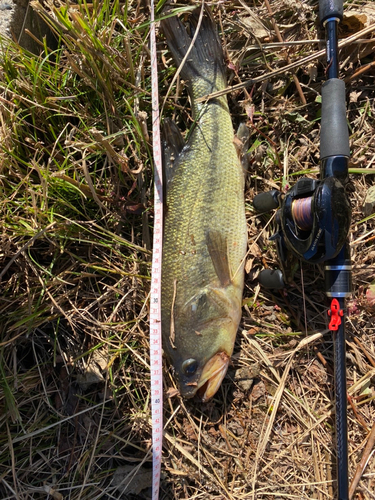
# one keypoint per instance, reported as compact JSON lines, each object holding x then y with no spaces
{"x":93,"y":372}
{"x":369,"y":203}
{"x":370,"y":295}
{"x":189,"y":431}
{"x":90,"y":377}
{"x":255,"y":27}
{"x":312,"y":71}
{"x":255,"y":250}
{"x":254,"y":330}
{"x":258,"y":391}
{"x":172,"y":392}
{"x":248,"y":265}
{"x":353,"y":96}
{"x":137,"y":209}
{"x":352,"y":22}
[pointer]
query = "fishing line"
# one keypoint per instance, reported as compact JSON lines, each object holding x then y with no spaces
{"x":155,"y":310}
{"x":302,"y":213}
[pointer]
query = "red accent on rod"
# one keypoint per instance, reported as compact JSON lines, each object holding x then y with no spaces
{"x":335,"y":313}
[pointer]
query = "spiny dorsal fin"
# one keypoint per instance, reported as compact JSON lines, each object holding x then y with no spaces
{"x":173,"y":143}
{"x":217,"y":246}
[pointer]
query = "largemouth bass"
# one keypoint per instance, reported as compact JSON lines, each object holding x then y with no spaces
{"x":205,"y":234}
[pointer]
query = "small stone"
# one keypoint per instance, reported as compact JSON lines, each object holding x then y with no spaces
{"x":369,"y":203}
{"x":245,"y":375}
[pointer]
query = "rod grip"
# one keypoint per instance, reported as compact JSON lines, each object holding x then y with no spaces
{"x":334,"y":133}
{"x":330,"y":8}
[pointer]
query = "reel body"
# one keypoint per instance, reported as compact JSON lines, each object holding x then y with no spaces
{"x":312,"y":221}
{"x":315,"y":219}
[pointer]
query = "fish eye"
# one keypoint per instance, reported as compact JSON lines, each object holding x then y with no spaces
{"x":189,"y":367}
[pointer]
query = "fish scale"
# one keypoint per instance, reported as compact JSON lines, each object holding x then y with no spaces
{"x":205,"y":227}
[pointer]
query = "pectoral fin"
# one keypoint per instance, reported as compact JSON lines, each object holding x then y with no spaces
{"x":218,"y":249}
{"x":173,"y":143}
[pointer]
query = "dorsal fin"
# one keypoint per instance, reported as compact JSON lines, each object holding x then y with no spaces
{"x":173,"y":144}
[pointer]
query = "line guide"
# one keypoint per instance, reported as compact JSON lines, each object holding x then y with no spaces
{"x":155,"y":311}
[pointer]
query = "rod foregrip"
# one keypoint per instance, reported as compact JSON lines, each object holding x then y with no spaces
{"x":334,"y":135}
{"x":330,"y":8}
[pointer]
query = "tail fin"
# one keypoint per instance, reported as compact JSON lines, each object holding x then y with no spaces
{"x":205,"y":60}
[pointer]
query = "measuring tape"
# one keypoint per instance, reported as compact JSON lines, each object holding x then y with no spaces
{"x":155,"y":312}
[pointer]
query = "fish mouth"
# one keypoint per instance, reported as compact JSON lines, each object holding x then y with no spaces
{"x":212,"y":375}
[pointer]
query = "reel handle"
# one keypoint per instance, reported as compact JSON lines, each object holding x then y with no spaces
{"x":272,"y":279}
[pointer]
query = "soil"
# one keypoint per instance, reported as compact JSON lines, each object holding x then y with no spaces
{"x":6,"y":13}
{"x":16,"y":18}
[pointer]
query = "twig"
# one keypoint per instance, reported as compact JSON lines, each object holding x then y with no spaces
{"x":289,"y":67}
{"x":364,"y":460}
{"x":358,"y":416}
{"x":360,"y":71}
{"x":288,"y":59}
{"x":365,"y":352}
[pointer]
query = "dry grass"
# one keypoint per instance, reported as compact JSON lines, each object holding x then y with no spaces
{"x":76,"y":211}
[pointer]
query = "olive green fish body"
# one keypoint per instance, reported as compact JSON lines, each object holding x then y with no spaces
{"x":205,"y":233}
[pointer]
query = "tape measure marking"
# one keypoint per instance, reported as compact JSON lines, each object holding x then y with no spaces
{"x":155,"y":312}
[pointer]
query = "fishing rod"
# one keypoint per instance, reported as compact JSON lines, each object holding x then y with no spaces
{"x":313,"y":220}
